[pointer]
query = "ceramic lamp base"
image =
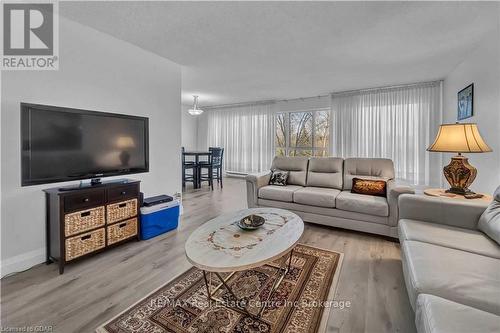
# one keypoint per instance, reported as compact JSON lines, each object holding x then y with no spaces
{"x":460,"y":174}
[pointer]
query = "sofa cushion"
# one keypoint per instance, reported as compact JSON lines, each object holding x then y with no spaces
{"x":297,"y":167}
{"x":459,"y":276}
{"x":325,"y":172}
{"x":361,"y":203}
{"x":326,"y":213}
{"x":279,"y":193}
{"x":489,"y":222}
{"x":444,"y":235}
{"x":316,"y":196}
{"x":367,"y":168}
{"x":438,"y":315}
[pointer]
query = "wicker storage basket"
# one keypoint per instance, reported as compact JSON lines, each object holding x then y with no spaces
{"x":85,"y":243}
{"x":122,"y":230}
{"x":121,"y":210}
{"x":83,"y":220}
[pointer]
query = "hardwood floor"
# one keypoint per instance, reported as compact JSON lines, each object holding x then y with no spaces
{"x":94,"y":290}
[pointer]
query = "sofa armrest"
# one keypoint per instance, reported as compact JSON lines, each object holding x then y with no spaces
{"x":254,"y":182}
{"x":393,"y":192}
{"x":457,"y":213}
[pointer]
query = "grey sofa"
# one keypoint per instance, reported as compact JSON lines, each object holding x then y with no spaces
{"x":319,"y":191}
{"x":451,"y":269}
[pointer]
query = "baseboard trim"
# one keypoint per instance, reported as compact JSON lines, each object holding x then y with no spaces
{"x":22,"y":262}
{"x":235,"y":174}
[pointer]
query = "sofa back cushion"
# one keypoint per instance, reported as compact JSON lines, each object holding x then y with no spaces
{"x":297,"y":167}
{"x":489,"y":222}
{"x":367,"y":168}
{"x":325,"y":172}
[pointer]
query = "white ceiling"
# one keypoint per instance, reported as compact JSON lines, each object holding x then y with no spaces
{"x":247,"y":51}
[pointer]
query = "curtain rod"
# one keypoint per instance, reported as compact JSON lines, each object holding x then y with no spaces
{"x":425,"y":83}
{"x":270,"y":101}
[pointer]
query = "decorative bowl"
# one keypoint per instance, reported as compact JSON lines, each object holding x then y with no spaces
{"x":251,"y":222}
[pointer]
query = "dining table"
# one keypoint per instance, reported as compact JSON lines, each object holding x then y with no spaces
{"x":197,"y":154}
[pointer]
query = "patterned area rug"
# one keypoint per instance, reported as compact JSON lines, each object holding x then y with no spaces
{"x":298,"y":305}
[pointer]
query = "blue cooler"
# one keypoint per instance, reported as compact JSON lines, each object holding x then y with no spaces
{"x":158,"y":219}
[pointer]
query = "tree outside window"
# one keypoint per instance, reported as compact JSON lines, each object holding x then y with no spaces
{"x":304,"y":133}
{"x":281,"y":134}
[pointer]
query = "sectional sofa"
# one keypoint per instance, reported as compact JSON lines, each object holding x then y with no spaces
{"x":319,"y":191}
{"x":451,"y":269}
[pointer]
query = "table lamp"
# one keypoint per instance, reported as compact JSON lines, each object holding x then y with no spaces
{"x":459,"y":138}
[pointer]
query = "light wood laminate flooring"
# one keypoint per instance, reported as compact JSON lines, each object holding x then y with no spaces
{"x":98,"y":288}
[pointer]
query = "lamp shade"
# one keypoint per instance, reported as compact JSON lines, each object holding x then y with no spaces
{"x":459,"y":138}
{"x":195,"y":111}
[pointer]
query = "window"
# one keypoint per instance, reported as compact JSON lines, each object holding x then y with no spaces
{"x":304,"y":133}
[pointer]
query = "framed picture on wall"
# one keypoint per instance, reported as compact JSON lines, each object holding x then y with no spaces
{"x":465,"y":102}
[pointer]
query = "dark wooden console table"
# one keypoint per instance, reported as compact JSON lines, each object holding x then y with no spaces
{"x":86,"y":220}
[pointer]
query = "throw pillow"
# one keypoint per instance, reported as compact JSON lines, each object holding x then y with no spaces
{"x":279,"y":178}
{"x":369,"y":187}
{"x":489,"y":222}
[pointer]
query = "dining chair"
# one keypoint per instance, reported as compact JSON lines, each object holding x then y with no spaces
{"x":213,"y":166}
{"x":217,"y":162}
{"x":189,"y":165}
{"x":208,"y":176}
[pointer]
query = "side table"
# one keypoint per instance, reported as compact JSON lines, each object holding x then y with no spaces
{"x":440,"y":192}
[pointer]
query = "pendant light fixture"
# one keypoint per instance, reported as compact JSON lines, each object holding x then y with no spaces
{"x":194,"y":111}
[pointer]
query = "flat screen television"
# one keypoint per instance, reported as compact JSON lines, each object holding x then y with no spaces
{"x":62,"y":144}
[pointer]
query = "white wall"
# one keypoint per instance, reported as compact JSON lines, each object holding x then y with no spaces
{"x":96,"y":72}
{"x":482,"y":67}
{"x":202,"y":125}
{"x":189,"y":129}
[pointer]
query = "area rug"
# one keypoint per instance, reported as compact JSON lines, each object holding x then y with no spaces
{"x":301,"y":303}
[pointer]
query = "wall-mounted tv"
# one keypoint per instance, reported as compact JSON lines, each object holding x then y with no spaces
{"x":62,"y":144}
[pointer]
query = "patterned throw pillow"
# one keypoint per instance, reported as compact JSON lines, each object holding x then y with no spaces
{"x":279,"y":178}
{"x":369,"y":187}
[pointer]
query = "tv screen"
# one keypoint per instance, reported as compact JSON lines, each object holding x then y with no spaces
{"x":61,"y":144}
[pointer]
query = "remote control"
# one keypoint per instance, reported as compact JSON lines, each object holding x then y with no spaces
{"x":473,"y":196}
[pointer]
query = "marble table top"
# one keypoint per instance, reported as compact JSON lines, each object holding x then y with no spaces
{"x":220,"y":245}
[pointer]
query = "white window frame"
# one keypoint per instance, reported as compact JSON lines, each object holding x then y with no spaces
{"x":312,"y":148}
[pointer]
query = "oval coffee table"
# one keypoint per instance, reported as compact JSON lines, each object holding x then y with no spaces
{"x":220,"y":246}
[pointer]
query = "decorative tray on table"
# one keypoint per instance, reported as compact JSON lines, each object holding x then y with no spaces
{"x":251,"y":222}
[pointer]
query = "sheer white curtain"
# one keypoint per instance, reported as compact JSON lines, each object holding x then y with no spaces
{"x":247,"y":135}
{"x":396,"y":123}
